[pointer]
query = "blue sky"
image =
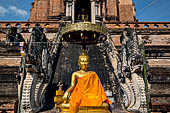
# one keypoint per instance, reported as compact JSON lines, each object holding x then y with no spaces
{"x":157,"y":10}
{"x":146,"y":10}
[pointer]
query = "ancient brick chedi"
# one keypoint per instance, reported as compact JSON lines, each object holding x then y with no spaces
{"x":115,"y":10}
{"x":115,"y":15}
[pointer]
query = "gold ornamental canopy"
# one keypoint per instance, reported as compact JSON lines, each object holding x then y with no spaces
{"x":84,"y":33}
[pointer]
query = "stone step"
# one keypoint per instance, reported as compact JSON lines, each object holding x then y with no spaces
{"x":10,"y":53}
{"x":9,"y":65}
{"x":9,"y":50}
{"x":10,"y":61}
{"x":9,"y":70}
{"x":8,"y":88}
{"x":8,"y":79}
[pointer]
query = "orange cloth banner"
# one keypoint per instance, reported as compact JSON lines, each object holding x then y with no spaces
{"x":88,"y":92}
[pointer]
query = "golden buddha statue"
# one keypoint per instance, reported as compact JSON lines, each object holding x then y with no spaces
{"x":86,"y":89}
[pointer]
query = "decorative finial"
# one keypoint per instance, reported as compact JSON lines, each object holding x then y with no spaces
{"x":83,"y":55}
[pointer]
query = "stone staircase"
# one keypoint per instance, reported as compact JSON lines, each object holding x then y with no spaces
{"x":9,"y":64}
{"x":160,"y":91}
{"x":10,"y":61}
{"x":159,"y":78}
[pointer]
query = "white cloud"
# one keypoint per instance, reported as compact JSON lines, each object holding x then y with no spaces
{"x":3,"y":11}
{"x":17,"y":11}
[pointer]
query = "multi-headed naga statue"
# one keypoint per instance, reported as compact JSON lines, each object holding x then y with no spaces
{"x":37,"y":48}
{"x":131,"y":72}
{"x":35,"y":73}
{"x":13,"y":36}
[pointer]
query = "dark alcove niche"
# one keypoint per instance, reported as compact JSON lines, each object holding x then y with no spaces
{"x":82,"y":10}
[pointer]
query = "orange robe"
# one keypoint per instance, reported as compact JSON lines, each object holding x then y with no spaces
{"x":88,"y":92}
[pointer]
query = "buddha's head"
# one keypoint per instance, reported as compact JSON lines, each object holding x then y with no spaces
{"x":83,"y":10}
{"x":83,"y":60}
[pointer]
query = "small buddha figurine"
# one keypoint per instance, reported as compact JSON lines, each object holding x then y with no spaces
{"x":83,"y":16}
{"x":88,"y":91}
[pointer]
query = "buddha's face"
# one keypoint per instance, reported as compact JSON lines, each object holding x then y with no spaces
{"x":83,"y":62}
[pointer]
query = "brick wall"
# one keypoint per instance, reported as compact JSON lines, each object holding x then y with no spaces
{"x":112,"y":9}
{"x":32,"y":12}
{"x":126,"y":11}
{"x":41,"y":9}
{"x":56,"y":7}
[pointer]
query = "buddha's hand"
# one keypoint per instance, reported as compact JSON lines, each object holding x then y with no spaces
{"x":66,"y":97}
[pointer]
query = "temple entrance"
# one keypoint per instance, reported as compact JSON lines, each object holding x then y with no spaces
{"x":82,"y":11}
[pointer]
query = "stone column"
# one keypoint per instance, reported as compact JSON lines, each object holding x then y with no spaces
{"x":73,"y":11}
{"x":103,"y":12}
{"x":98,"y":11}
{"x":93,"y":11}
{"x":99,"y":8}
{"x":70,"y":7}
{"x":67,"y":9}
